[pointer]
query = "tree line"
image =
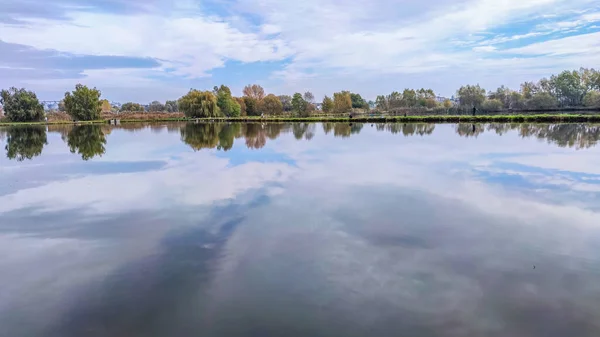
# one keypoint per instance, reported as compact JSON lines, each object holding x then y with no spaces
{"x":577,"y":88}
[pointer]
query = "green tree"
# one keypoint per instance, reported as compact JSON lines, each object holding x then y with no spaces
{"x":171,"y":106}
{"x":342,"y":102}
{"x":241,"y":102}
{"x":299,"y":105}
{"x":229,"y":107}
{"x":87,"y":140}
{"x":409,"y":98}
{"x":25,"y":142}
{"x":426,"y":98}
{"x":271,"y":105}
{"x":199,"y":104}
{"x":394,"y":100}
{"x":83,"y":103}
{"x":357,"y":101}
{"x":592,"y":99}
{"x":286,"y":102}
{"x":132,"y":107}
{"x":516,"y":100}
{"x":471,"y":96}
{"x":156,"y":106}
{"x":542,"y":100}
{"x":569,"y":88}
{"x":381,"y":103}
{"x":327,"y":106}
{"x":21,"y":105}
{"x":490,"y":105}
{"x":502,"y":94}
{"x":528,"y":89}
{"x":252,"y":106}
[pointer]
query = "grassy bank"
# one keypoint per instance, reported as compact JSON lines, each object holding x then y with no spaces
{"x":562,"y":118}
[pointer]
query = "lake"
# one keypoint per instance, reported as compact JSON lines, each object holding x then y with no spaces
{"x":260,"y":230}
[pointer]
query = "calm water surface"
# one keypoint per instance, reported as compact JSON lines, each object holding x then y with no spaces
{"x":300,"y":230}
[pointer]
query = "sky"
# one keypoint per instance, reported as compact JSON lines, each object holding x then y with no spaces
{"x":157,"y":49}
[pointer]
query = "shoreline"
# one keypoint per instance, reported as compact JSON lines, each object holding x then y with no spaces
{"x":554,"y":118}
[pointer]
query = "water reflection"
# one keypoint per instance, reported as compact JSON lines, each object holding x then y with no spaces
{"x":391,"y":229}
{"x":89,"y":140}
{"x":25,"y":142}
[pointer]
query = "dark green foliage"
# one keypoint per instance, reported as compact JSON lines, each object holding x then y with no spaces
{"x":357,"y":101}
{"x":21,"y":105}
{"x":299,"y":104}
{"x":201,"y":136}
{"x":25,"y":142}
{"x":132,"y":107}
{"x":542,"y":100}
{"x":198,"y":104}
{"x":83,"y":104}
{"x":227,"y":135}
{"x":252,"y":106}
{"x":87,"y":140}
{"x":229,"y":107}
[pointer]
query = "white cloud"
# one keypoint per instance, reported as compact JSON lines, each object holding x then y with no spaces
{"x":150,"y":190}
{"x":587,"y":44}
{"x":329,"y":41}
{"x":193,"y":45}
{"x":485,"y":49}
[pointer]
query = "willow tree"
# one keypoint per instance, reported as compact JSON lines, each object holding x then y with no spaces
{"x":199,"y":104}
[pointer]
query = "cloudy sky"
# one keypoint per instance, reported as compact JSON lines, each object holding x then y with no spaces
{"x":158,"y":49}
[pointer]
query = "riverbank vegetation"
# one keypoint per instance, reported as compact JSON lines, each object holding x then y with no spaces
{"x":567,"y":91}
